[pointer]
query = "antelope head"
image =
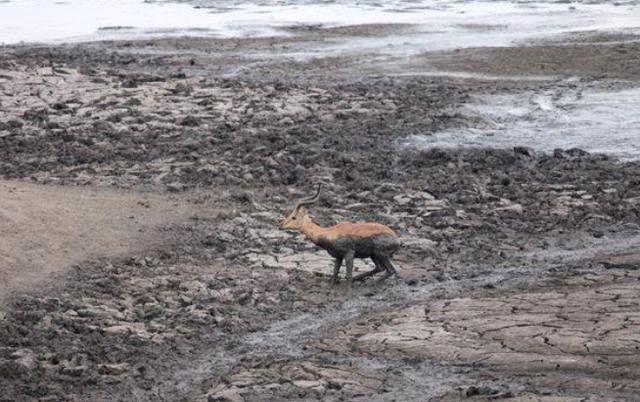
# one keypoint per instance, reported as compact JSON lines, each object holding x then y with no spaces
{"x":296,"y":219}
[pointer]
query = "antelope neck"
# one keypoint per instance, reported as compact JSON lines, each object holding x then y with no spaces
{"x":313,"y":232}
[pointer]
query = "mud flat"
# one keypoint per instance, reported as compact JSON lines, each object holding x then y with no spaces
{"x":519,"y":271}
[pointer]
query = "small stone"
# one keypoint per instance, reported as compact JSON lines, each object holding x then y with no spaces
{"x":309,"y":384}
{"x":88,"y":312}
{"x":472,"y":391}
{"x":118,"y":330}
{"x":113,"y":369}
{"x":286,"y":121}
{"x":401,"y":200}
{"x":516,"y":208}
{"x":175,"y":187}
{"x":524,"y":151}
{"x":76,"y":371}
{"x":152,"y":310}
{"x":228,"y":395}
{"x":12,"y":369}
{"x":190,"y":121}
{"x":15,"y":123}
{"x":25,"y":358}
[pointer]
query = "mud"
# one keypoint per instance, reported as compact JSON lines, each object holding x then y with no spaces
{"x":518,"y":271}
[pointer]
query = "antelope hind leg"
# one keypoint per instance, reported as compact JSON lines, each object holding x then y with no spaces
{"x":379,"y":268}
{"x":389,"y":266}
{"x":390,"y":270}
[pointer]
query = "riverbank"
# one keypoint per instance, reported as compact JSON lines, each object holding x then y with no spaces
{"x":518,"y":271}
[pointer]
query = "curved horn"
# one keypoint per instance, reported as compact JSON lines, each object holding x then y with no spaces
{"x":308,"y":201}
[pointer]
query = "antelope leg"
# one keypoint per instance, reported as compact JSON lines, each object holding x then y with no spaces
{"x":336,"y":270}
{"x":379,"y":268}
{"x":349,"y":260}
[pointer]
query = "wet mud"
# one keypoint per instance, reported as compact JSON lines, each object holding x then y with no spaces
{"x":518,"y":273}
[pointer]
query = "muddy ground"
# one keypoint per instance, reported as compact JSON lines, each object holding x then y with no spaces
{"x":519,"y":276}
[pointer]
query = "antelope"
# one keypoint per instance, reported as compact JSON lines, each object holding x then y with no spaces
{"x":346,"y":241}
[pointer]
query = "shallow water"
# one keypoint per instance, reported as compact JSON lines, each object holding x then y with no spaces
{"x":443,"y":24}
{"x":596,"y":121}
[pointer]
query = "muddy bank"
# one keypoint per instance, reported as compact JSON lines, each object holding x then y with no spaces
{"x":518,"y":271}
{"x":595,"y":58}
{"x":47,"y":229}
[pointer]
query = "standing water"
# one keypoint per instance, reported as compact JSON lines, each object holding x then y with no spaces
{"x":444,"y":24}
{"x":595,"y":121}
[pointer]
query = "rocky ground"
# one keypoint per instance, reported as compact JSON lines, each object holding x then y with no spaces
{"x":519,"y":268}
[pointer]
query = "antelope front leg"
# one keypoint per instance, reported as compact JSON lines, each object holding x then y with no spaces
{"x":349,"y":260}
{"x":336,"y":270}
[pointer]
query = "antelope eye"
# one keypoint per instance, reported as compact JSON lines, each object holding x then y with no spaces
{"x":294,"y":218}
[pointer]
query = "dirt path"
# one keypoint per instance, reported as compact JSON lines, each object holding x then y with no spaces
{"x":46,"y":229}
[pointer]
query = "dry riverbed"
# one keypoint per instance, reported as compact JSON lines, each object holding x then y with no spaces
{"x":150,"y":176}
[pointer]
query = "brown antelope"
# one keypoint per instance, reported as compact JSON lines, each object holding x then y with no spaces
{"x":346,"y":241}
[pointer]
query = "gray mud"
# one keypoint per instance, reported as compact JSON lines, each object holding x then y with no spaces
{"x":518,"y":275}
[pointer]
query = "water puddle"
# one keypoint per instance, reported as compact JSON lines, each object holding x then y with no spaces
{"x":596,"y":121}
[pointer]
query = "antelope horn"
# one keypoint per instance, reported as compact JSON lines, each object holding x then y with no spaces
{"x":308,"y":201}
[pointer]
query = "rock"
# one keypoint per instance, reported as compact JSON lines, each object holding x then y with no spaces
{"x":309,"y":384}
{"x":358,"y":206}
{"x":424,"y":244}
{"x":75,"y":371}
{"x":88,"y":312}
{"x":516,"y":208}
{"x":576,"y":152}
{"x":113,"y":369}
{"x":387,"y":187}
{"x":425,"y":196}
{"x":26,"y":358}
{"x":228,"y":395}
{"x":215,"y":241}
{"x":118,"y":329}
{"x":286,"y":121}
{"x":12,"y":369}
{"x":15,"y":123}
{"x":152,"y":310}
{"x":524,"y":151}
{"x":102,"y":126}
{"x":190,"y":121}
{"x":629,"y":261}
{"x":434,"y":205}
{"x":182,"y":88}
{"x":133,"y":102}
{"x":401,"y":200}
{"x":476,"y":391}
{"x":175,"y":187}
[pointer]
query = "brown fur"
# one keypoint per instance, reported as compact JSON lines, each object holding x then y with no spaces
{"x":359,"y":230}
{"x":299,"y":220}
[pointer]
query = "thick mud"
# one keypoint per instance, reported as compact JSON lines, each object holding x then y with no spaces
{"x":518,"y":271}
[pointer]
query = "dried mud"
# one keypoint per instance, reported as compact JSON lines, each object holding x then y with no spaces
{"x":518,"y":274}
